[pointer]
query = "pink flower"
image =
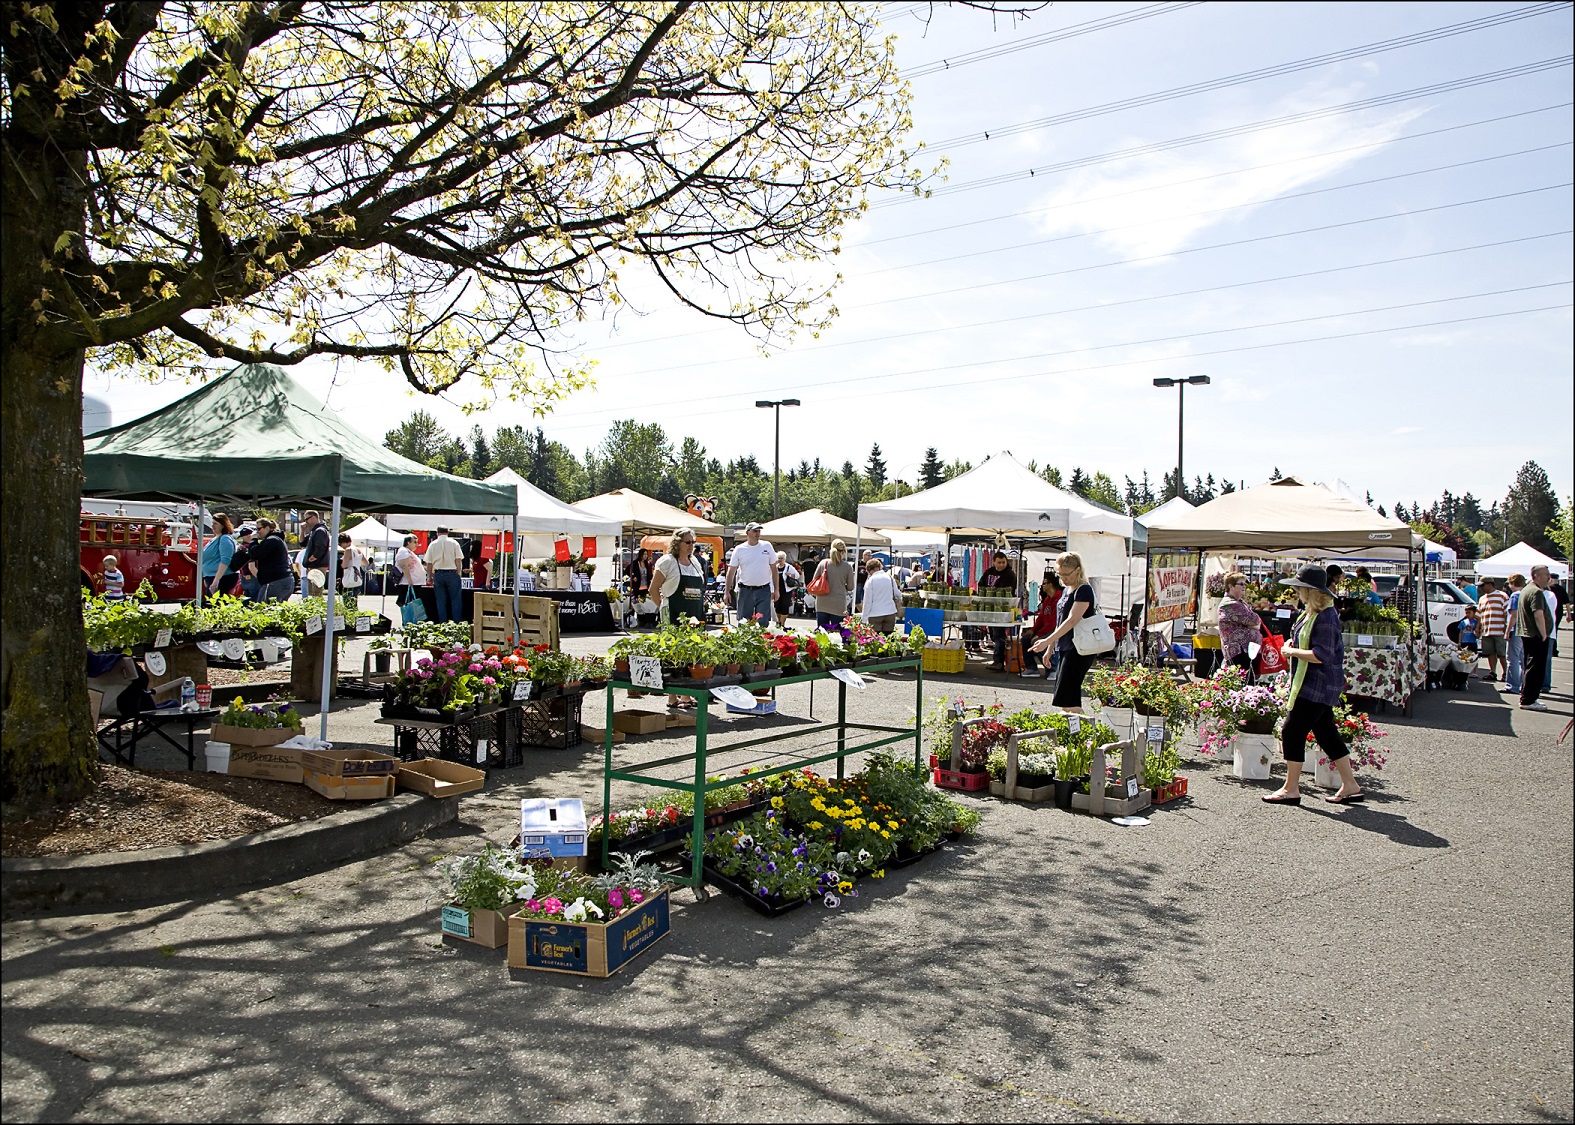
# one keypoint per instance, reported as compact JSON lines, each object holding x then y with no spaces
{"x":424,"y":662}
{"x":615,"y":899}
{"x":552,"y":905}
{"x":488,"y":680}
{"x":636,"y":895}
{"x":533,"y":904}
{"x":475,"y":667}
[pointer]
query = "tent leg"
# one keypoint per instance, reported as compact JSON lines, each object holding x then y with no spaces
{"x":202,"y":518}
{"x":514,"y":542}
{"x":328,"y":624}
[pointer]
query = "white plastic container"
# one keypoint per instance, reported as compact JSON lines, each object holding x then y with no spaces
{"x":218,"y":757}
{"x":1254,"y":756}
{"x":1324,"y":773}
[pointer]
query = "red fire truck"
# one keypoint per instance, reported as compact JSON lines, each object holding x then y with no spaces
{"x":152,"y":549}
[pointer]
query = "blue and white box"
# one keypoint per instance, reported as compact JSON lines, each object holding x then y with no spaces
{"x":552,"y":827}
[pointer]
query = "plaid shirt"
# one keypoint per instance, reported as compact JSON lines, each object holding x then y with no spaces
{"x":1324,"y":681}
{"x":1493,"y":614}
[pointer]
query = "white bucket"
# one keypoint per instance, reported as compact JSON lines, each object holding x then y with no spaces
{"x":218,"y":757}
{"x":1254,"y":756}
{"x":269,"y":651}
{"x":1324,"y":773}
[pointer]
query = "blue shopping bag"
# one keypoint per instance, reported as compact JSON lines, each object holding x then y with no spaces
{"x":413,"y":611}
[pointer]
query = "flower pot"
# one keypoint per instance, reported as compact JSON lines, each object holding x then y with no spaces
{"x":1258,"y":726}
{"x":702,"y":671}
{"x":997,"y":788}
{"x":1253,"y":756}
{"x":218,"y":757}
{"x":1324,"y":773}
{"x":382,"y":661}
{"x":1145,"y":710}
{"x":621,"y":667}
{"x":732,"y":669}
{"x":1064,"y":788}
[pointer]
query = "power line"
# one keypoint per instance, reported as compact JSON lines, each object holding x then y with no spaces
{"x":1211,"y":176}
{"x":1239,"y":130}
{"x":1088,"y":27}
{"x":1452,"y":321}
{"x":842,"y":380}
{"x":1480,"y":24}
{"x":1214,"y":210}
{"x":1102,"y":305}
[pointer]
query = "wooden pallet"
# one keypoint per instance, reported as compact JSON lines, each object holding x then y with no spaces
{"x":494,"y":621}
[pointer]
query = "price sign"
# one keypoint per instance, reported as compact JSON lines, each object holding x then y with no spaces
{"x":645,"y":672}
{"x":734,"y":696}
{"x":849,"y":677}
{"x":1364,"y":639}
{"x":522,"y":690}
{"x":481,"y":753}
{"x":1074,"y":724}
{"x":1282,"y":614}
{"x":234,"y":649}
{"x":314,"y":625}
{"x":155,"y":662}
{"x":363,"y":624}
{"x":1156,"y":734}
{"x":456,"y":921}
{"x":339,"y":623}
{"x":1132,"y":787}
{"x":163,"y":639}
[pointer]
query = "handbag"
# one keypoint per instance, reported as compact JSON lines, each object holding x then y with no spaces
{"x":1093,"y":635}
{"x":412,"y":612}
{"x":820,"y":584}
{"x":1271,"y":656}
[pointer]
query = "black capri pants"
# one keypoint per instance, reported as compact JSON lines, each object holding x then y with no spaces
{"x":1069,"y":688}
{"x":1316,"y":719}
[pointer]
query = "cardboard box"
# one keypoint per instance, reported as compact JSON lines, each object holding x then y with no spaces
{"x":487,"y":928}
{"x":588,"y":949}
{"x":639,"y":722}
{"x":680,"y":719}
{"x":598,"y":735}
{"x":370,"y":788}
{"x":246,"y":736}
{"x":437,"y":778}
{"x":350,"y":763}
{"x":270,"y":763}
{"x":552,"y":827}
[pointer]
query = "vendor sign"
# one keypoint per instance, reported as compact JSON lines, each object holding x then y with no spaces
{"x":1172,"y":585}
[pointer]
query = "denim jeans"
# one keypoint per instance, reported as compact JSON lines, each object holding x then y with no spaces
{"x":1517,"y":656}
{"x":753,"y":601}
{"x":446,"y":588}
{"x":278,"y":590}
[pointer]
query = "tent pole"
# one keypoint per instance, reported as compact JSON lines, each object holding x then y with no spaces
{"x":514,"y":542}
{"x":202,"y":518}
{"x":328,"y":624}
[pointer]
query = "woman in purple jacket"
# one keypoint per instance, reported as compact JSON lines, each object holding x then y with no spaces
{"x":1317,"y":679}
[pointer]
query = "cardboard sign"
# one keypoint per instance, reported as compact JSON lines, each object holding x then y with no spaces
{"x":481,"y":753}
{"x":363,"y":624}
{"x":849,"y":677}
{"x":522,"y":690}
{"x":339,"y":623}
{"x":645,"y":672}
{"x":234,"y":649}
{"x":314,"y":625}
{"x":734,"y":696}
{"x":1364,"y":639}
{"x":1282,"y":614}
{"x":1074,"y":724}
{"x":1132,"y":787}
{"x":155,"y":662}
{"x":456,"y":921}
{"x":1156,"y":734}
{"x":163,"y":639}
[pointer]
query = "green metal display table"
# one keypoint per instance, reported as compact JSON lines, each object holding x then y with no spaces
{"x":835,"y":747}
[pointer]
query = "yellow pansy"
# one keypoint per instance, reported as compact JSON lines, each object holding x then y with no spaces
{"x":776,"y":802}
{"x":815,"y":824}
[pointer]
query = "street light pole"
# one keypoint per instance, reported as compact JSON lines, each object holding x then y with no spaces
{"x":776,"y":463}
{"x":1181,"y":418}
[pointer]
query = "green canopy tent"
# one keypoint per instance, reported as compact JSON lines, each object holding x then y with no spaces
{"x":256,"y":435}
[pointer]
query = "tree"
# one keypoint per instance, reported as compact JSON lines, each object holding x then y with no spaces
{"x":1562,"y":530}
{"x":1102,"y":490}
{"x":957,"y":468}
{"x":511,"y":449}
{"x":691,"y":467}
{"x":1275,"y":475}
{"x":932,"y":472}
{"x":632,"y":455}
{"x":480,"y":454}
{"x":1079,"y":481}
{"x":1051,"y":474}
{"x":875,"y":467}
{"x":1530,"y":507}
{"x":419,"y":438}
{"x":435,"y":188}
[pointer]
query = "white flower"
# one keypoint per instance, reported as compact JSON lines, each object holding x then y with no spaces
{"x":575,"y":911}
{"x":831,"y":901}
{"x":864,"y":856}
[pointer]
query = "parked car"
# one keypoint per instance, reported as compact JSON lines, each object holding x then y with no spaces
{"x":1446,"y":602}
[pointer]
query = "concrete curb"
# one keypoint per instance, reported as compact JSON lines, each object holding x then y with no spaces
{"x":184,"y":871}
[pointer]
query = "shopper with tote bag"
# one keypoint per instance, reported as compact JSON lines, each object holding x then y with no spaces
{"x":1081,"y":635}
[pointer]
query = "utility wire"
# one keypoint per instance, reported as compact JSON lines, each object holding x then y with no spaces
{"x":1480,"y":24}
{"x":1100,"y":306}
{"x":1088,"y":27}
{"x":1211,"y":176}
{"x":1238,"y":130}
{"x":1212,"y":210}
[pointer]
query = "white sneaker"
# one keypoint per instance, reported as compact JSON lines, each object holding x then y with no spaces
{"x":1533,"y":706}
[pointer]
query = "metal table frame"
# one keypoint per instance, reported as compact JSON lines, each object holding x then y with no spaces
{"x":119,"y":736}
{"x":700,"y":786}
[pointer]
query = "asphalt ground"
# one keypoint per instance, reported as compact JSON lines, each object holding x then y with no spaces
{"x":1409,"y":959}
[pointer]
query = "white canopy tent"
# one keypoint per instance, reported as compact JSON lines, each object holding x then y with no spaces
{"x":634,"y":511}
{"x":815,"y":525}
{"x":1519,"y":559}
{"x":371,"y":532}
{"x":539,"y":512}
{"x":1438,"y":553}
{"x":1171,"y":509}
{"x":913,"y":542}
{"x":1002,"y":498}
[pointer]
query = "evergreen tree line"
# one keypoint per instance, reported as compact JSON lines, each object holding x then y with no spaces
{"x":641,"y":456}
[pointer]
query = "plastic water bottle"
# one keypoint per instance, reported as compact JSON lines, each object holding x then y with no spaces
{"x":188,"y":695}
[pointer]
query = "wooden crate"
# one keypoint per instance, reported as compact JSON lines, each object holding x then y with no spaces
{"x":1095,"y":801}
{"x":494,"y":622}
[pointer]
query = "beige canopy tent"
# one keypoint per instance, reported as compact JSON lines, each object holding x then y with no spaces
{"x":815,"y":525}
{"x":1286,"y":518}
{"x":639,"y":512}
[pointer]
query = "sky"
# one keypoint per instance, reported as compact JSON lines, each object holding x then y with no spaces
{"x":1378,"y":294}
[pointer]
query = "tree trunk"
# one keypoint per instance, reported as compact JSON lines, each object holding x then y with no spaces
{"x":48,"y":750}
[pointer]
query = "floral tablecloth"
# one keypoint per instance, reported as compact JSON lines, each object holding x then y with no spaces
{"x":1382,"y":673}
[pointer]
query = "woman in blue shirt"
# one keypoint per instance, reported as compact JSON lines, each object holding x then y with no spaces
{"x":1317,"y":679}
{"x":217,"y":553}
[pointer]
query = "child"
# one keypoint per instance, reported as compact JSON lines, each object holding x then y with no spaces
{"x":114,"y":580}
{"x":1468,"y":629}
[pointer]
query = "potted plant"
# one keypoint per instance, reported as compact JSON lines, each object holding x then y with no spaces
{"x":481,"y":890}
{"x":1160,"y":762}
{"x":382,"y":657}
{"x":1072,"y":763}
{"x":256,"y":724}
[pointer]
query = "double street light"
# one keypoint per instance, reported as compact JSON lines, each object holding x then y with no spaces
{"x":1181,"y":414}
{"x":776,"y":464}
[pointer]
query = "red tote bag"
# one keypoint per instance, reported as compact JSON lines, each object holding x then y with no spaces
{"x":1271,"y":657}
